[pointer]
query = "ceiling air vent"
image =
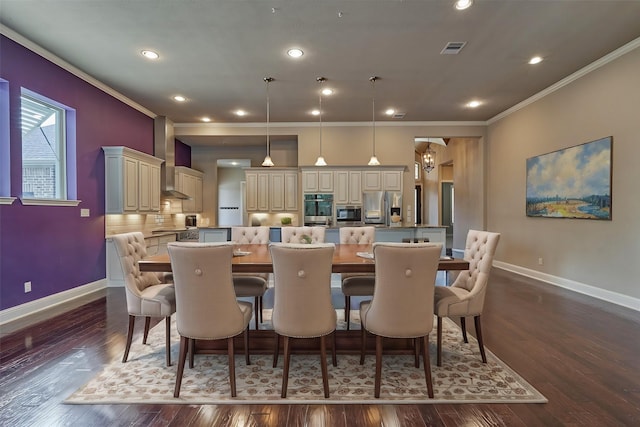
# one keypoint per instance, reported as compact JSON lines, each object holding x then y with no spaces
{"x":398,"y":115}
{"x":452,"y":48}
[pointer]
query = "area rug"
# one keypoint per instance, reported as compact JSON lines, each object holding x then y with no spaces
{"x":462,"y":378}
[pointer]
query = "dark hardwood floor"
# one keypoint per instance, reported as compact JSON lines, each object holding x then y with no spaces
{"x":582,"y":354}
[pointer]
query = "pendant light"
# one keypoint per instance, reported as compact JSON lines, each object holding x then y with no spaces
{"x":374,"y":160}
{"x":320,"y":161}
{"x":267,"y":160}
{"x":429,"y":159}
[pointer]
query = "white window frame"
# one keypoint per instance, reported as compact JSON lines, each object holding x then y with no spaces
{"x":5,"y":158}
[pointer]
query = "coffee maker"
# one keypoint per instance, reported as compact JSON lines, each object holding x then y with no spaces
{"x":393,"y":205}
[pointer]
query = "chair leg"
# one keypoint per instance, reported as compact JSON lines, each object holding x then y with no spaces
{"x":347,"y":311}
{"x":276,"y":350}
{"x":246,"y":346}
{"x":479,"y":336}
{"x":192,"y":352}
{"x":427,"y":365}
{"x":261,"y":307}
{"x":168,"y":339}
{"x":184,"y":343}
{"x":323,"y":366}
{"x":256,"y":308}
{"x":333,"y":349}
{"x":147,"y":322}
{"x":463,"y":326}
{"x":416,"y":351}
{"x":439,"y":349}
{"x":378,"y":366}
{"x":363,"y":343}
{"x":132,"y":321}
{"x":285,"y":371}
{"x":232,"y":366}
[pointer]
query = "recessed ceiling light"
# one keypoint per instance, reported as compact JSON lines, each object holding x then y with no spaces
{"x":149,"y":54}
{"x":535,"y":60}
{"x":474,"y":104}
{"x":463,"y":4}
{"x":316,"y":112}
{"x":295,"y":52}
{"x":241,"y":113}
{"x":206,"y":119}
{"x":179,"y":98}
{"x":390,"y":112}
{"x":327,"y":91}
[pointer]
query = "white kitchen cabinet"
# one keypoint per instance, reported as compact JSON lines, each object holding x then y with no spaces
{"x":189,"y":182}
{"x":317,"y":181}
{"x":434,"y":234}
{"x":371,"y":180}
{"x":132,"y":181}
{"x":347,"y":187}
{"x":392,"y":180}
{"x":272,"y":190}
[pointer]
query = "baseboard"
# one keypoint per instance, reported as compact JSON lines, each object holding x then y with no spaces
{"x":33,"y":307}
{"x":592,"y":291}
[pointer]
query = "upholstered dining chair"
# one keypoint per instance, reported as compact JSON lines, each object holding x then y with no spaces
{"x":146,"y":295}
{"x":303,"y":234}
{"x":356,"y":284}
{"x":465,"y":296}
{"x":302,"y":305}
{"x":402,"y":303}
{"x":206,"y":304}
{"x":251,"y":284}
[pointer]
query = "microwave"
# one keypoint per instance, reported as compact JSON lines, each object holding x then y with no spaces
{"x":348,"y":215}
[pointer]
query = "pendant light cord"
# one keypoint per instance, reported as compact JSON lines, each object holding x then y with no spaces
{"x":268,"y":80}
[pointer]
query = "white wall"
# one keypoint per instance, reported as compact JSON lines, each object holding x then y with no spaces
{"x":594,"y":253}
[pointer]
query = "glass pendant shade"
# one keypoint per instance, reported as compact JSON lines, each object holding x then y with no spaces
{"x":320,"y":161}
{"x":373,"y":161}
{"x":267,"y":162}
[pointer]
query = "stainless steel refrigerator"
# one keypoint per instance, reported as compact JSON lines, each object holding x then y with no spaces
{"x":373,"y":207}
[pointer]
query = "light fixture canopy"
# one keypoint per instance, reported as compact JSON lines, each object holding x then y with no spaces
{"x":320,"y":161}
{"x":373,"y":161}
{"x":267,"y":162}
{"x":429,"y":159}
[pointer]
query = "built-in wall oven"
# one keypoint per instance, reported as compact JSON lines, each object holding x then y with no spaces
{"x":348,"y":215}
{"x":318,"y":209}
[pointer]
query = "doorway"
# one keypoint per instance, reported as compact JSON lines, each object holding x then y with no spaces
{"x":447,"y":210}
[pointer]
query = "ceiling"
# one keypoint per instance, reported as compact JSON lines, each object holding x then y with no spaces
{"x":216,"y":53}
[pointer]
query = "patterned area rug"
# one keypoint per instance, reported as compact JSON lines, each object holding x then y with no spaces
{"x":463,"y":378}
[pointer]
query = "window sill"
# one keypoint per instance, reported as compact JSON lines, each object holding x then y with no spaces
{"x":7,"y":200}
{"x":48,"y":202}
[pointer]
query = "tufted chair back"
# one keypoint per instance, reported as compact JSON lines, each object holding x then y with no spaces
{"x":302,"y":278}
{"x":357,"y":235}
{"x":131,"y":248}
{"x":294,"y":234}
{"x":479,"y":250}
{"x":206,"y":305}
{"x":402,"y":304}
{"x":250,"y":235}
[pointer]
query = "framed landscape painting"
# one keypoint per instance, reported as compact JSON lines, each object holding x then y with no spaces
{"x":574,"y":182}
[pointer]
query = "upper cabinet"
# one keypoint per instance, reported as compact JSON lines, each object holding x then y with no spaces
{"x":348,"y":187}
{"x":317,"y":181}
{"x":382,"y":180}
{"x":271,"y":190}
{"x":189,"y":182}
{"x":132,"y":181}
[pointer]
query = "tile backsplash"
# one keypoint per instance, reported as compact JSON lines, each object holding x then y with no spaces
{"x":170,"y":217}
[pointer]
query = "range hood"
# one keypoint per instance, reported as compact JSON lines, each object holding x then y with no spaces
{"x":164,"y":147}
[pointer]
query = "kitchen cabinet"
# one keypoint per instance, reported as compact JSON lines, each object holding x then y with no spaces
{"x":189,"y":182}
{"x":272,"y":190}
{"x":348,"y":187}
{"x":382,"y":180}
{"x":132,"y":181}
{"x":371,"y":180}
{"x":392,"y":180}
{"x":317,"y":181}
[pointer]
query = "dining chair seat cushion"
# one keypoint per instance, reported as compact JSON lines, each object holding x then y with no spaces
{"x":454,"y":301}
{"x":250,"y":284}
{"x":358,"y":284}
{"x":158,"y":301}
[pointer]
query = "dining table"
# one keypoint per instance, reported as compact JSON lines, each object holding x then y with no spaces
{"x":256,"y":258}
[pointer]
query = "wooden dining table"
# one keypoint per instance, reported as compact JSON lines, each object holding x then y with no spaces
{"x":257,"y":259}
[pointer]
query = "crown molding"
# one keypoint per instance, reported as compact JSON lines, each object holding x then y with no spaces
{"x":327,"y":124}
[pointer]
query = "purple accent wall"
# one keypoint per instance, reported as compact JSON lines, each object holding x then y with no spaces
{"x":53,"y":247}
{"x":183,"y":154}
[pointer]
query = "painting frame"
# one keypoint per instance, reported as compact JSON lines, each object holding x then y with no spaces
{"x":571,"y":183}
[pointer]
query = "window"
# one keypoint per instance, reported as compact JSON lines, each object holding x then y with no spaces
{"x":416,"y":171}
{"x":48,"y":150}
{"x":5,"y":161}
